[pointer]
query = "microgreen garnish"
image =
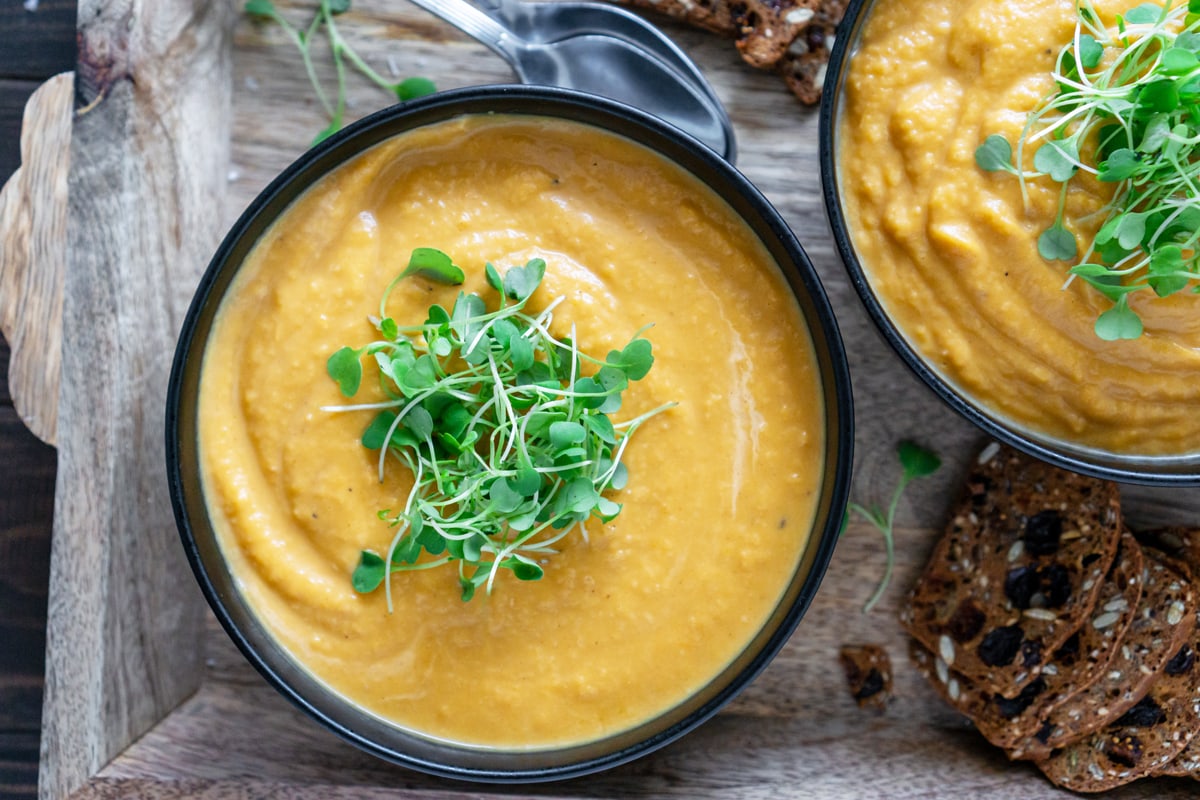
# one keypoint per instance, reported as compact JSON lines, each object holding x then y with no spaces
{"x":509,"y":442}
{"x":342,"y":52}
{"x":915,"y":462}
{"x":1126,"y":109}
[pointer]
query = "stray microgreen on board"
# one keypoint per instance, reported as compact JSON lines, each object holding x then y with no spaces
{"x":1126,"y":109}
{"x":342,"y":53}
{"x":509,"y":442}
{"x":915,"y":462}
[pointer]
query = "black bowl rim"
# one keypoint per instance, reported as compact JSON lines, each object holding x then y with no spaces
{"x":1147,"y":470}
{"x":826,"y":341}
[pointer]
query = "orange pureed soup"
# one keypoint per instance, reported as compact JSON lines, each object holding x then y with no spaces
{"x":722,"y":488}
{"x":952,"y":251}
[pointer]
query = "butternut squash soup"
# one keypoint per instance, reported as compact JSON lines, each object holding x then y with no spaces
{"x":952,"y":250}
{"x":627,"y":620}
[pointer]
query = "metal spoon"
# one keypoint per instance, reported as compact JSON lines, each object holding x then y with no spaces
{"x":588,"y":58}
{"x":545,"y":21}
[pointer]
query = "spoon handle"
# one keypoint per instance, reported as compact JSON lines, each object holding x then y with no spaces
{"x":475,"y":23}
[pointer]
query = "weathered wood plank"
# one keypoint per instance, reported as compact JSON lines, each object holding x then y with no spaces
{"x":148,"y":155}
{"x":795,"y":732}
{"x":33,"y":222}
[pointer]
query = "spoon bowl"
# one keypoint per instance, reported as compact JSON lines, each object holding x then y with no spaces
{"x":599,"y":50}
{"x":547,"y":21}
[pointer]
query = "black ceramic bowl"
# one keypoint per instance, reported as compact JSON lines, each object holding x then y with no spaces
{"x":219,"y":586}
{"x":1183,"y":470}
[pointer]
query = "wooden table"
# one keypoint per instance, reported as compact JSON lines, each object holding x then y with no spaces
{"x":139,"y":707}
{"x":34,"y":45}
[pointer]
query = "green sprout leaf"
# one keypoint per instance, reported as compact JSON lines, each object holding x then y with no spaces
{"x":1160,"y":96}
{"x":1058,"y":158}
{"x":431,"y":263}
{"x":916,"y":461}
{"x":345,"y":368}
{"x":1167,"y":273}
{"x":521,"y":282}
{"x":375,"y":436}
{"x":1091,"y":52}
{"x":1057,"y":243}
{"x":527,"y":571}
{"x":1145,"y":14}
{"x":1179,"y":61}
{"x":260,"y":8}
{"x":1119,"y":322}
{"x":369,"y":573}
{"x":1121,"y":164}
{"x":995,"y":154}
{"x":635,"y":360}
{"x":412,"y":88}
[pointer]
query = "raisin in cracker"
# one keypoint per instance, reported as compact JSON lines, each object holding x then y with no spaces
{"x":868,"y":674}
{"x":1149,"y":735}
{"x":1006,"y":720}
{"x":1161,"y":628}
{"x":1018,"y":571}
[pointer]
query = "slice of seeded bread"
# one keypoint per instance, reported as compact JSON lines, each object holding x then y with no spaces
{"x":1018,"y":571}
{"x":1161,"y":629}
{"x":1182,"y":544}
{"x":791,"y":37}
{"x":803,"y":64}
{"x":1005,"y":721}
{"x":1144,"y":739}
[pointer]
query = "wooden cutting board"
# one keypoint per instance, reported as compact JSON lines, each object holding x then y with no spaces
{"x":183,"y":112}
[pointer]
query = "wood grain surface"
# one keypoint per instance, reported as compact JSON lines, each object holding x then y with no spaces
{"x":33,"y":217}
{"x":794,"y":733}
{"x":148,"y":155}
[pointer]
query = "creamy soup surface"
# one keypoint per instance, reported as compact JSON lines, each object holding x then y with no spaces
{"x":952,"y":251}
{"x":722,"y":488}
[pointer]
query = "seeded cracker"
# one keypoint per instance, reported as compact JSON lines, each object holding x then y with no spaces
{"x":1148,"y":646}
{"x":868,"y":673}
{"x":791,"y":37}
{"x":1021,"y":522}
{"x":1183,"y":544}
{"x":803,"y":65}
{"x":1005,"y":721}
{"x":1146,"y":737}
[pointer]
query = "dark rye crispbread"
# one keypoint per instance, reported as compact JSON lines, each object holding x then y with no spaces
{"x":1005,"y":721}
{"x":803,"y":65}
{"x":1020,"y":523}
{"x":1161,"y":628}
{"x":868,"y":673}
{"x":1182,"y":544}
{"x":790,"y":37}
{"x":1143,"y":740}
